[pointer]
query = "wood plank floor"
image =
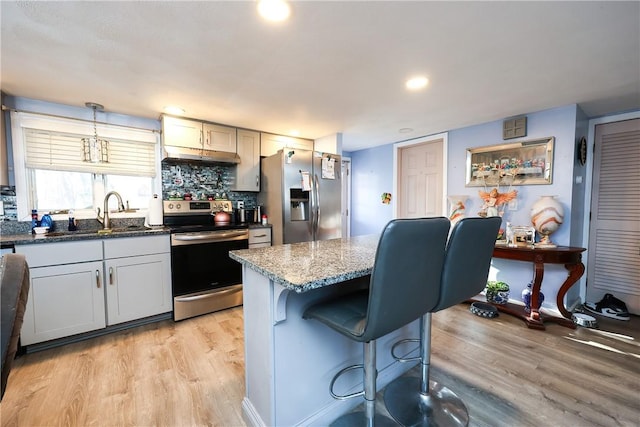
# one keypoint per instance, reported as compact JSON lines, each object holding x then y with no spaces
{"x":190,"y":373}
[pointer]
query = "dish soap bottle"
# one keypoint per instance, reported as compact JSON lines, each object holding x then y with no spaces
{"x":46,"y":221}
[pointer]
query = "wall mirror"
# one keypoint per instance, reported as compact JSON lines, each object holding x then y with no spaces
{"x":516,"y":163}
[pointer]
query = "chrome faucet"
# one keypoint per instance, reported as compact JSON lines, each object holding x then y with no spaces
{"x":105,"y":220}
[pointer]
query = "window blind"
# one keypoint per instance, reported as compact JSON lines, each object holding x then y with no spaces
{"x":63,"y":151}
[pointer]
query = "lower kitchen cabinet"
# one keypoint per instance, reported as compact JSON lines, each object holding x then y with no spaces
{"x":137,"y":286}
{"x":83,"y":286}
{"x":63,"y":300}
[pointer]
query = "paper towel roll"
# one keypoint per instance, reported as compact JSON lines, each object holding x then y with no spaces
{"x":155,"y":211}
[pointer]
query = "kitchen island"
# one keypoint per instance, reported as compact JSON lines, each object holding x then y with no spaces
{"x":289,"y":361}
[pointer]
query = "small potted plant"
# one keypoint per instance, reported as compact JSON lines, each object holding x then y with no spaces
{"x":497,"y":292}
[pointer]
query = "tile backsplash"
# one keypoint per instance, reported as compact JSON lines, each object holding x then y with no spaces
{"x":8,"y":207}
{"x":202,"y":181}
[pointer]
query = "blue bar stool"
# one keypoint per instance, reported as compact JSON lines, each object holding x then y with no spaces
{"x":404,"y":284}
{"x":415,"y":401}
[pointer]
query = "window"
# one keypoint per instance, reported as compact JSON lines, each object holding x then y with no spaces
{"x":52,"y":175}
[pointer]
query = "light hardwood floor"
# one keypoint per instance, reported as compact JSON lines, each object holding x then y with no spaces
{"x":190,"y":373}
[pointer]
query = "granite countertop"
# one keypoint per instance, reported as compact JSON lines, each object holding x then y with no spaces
{"x":305,"y":266}
{"x":69,"y":236}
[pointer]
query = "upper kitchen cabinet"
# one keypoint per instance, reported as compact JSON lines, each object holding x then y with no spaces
{"x":219,"y":138}
{"x":179,"y":132}
{"x":248,"y":170}
{"x":270,"y":143}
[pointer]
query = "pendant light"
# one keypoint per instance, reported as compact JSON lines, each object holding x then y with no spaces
{"x":95,"y":150}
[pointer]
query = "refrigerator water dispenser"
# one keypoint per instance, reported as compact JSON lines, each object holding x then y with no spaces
{"x":299,"y":204}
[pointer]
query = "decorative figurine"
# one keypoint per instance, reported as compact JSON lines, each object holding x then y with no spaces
{"x":493,"y":200}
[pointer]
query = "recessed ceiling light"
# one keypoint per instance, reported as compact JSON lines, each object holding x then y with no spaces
{"x":294,"y":132}
{"x":274,"y":10}
{"x":173,"y":109}
{"x":416,"y":83}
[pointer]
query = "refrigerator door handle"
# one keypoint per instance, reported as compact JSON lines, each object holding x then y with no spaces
{"x":317,"y":222}
{"x":312,"y":210}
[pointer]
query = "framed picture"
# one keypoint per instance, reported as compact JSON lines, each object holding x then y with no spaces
{"x":515,"y":163}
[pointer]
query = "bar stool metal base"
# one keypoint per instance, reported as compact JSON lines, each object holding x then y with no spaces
{"x":408,"y":406}
{"x":355,"y":419}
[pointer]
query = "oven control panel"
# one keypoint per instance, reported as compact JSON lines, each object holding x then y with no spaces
{"x":188,"y":207}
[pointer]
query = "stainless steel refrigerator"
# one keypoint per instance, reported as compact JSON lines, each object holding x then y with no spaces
{"x":301,"y":193}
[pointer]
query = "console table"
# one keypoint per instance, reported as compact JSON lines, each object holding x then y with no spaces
{"x":571,"y":257}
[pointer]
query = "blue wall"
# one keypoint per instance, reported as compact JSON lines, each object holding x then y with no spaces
{"x":372,"y":174}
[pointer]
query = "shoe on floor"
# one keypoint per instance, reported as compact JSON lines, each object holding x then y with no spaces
{"x":609,"y":306}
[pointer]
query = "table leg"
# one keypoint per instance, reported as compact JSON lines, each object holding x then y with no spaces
{"x":575,"y":272}
{"x":538,"y":275}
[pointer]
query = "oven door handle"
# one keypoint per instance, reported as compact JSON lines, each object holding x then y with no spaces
{"x":230,"y":290}
{"x":209,"y":237}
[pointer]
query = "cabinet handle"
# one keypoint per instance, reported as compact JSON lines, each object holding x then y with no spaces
{"x":98,"y":279}
{"x":260,"y":235}
{"x":257,"y":180}
{"x":111,"y":275}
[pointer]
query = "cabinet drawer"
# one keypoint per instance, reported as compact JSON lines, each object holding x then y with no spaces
{"x":259,"y":245}
{"x":40,"y":255}
{"x":259,"y":235}
{"x":133,"y":246}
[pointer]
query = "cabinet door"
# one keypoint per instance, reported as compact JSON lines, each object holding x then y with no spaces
{"x":219,"y":138}
{"x":248,"y":170}
{"x":64,"y":300}
{"x":138,"y":287}
{"x":181,"y":132}
{"x":270,"y":143}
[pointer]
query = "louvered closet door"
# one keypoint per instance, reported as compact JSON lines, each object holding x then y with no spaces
{"x":614,"y":237}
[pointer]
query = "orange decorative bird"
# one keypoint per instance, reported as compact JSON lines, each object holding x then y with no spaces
{"x":493,"y":199}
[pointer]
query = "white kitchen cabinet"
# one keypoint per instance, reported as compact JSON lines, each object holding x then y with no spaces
{"x":84,"y":286}
{"x":66,"y":295}
{"x":259,"y":237}
{"x":271,"y":143}
{"x":138,"y":278}
{"x":199,"y":135}
{"x":248,"y":170}
{"x":181,"y":132}
{"x":219,"y":138}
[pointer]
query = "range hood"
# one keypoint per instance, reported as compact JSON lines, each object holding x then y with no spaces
{"x":171,"y":152}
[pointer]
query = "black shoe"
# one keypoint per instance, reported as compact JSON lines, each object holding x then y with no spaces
{"x":609,"y":306}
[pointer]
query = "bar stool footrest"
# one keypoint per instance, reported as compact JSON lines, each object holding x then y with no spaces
{"x":404,"y":359}
{"x":335,"y":378}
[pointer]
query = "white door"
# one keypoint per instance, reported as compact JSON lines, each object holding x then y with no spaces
{"x":420,"y":176}
{"x":614,"y":234}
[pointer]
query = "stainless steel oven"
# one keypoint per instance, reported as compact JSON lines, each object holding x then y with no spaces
{"x":204,"y":278}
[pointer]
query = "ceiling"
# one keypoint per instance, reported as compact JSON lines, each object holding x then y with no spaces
{"x":334,"y":67}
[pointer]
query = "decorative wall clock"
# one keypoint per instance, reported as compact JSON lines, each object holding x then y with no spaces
{"x":582,"y":151}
